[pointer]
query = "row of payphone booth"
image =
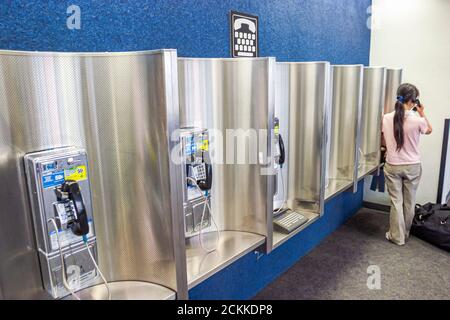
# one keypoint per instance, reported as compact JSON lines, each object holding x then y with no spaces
{"x":114,"y":185}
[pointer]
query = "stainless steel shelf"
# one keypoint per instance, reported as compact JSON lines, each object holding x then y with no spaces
{"x":335,"y":186}
{"x":365,"y":170}
{"x":232,"y":245}
{"x":127,"y":290}
{"x":279,"y":237}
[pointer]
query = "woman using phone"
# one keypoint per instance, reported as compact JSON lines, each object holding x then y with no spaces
{"x":401,"y":130}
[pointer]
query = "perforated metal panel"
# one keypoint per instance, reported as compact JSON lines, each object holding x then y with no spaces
{"x":121,"y":108}
{"x":345,"y":128}
{"x":302,"y":98}
{"x":393,"y":81}
{"x":371,"y":112}
{"x":236,"y":94}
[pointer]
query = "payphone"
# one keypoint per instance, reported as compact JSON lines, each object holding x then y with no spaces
{"x":279,"y":159}
{"x":285,"y":220}
{"x":197,"y":182}
{"x":60,"y":196}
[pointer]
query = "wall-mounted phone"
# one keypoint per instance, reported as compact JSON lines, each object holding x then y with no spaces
{"x":244,"y":35}
{"x":279,"y":160}
{"x":285,"y":219}
{"x":197,"y":180}
{"x":60,"y":196}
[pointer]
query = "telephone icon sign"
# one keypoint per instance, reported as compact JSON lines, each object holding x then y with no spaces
{"x":243,"y":35}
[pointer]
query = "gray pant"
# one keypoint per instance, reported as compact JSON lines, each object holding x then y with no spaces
{"x":402,"y":182}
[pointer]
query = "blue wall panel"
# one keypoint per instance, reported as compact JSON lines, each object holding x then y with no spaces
{"x":247,"y":276}
{"x":289,"y":29}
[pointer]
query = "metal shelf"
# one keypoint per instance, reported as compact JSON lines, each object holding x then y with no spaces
{"x":232,"y":245}
{"x":365,"y":170}
{"x":336,"y":186}
{"x":127,"y":290}
{"x":279,"y":237}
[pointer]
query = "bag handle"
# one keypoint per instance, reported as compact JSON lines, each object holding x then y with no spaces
{"x":444,"y":207}
{"x":425,"y":212}
{"x":428,"y":209}
{"x":444,"y":221}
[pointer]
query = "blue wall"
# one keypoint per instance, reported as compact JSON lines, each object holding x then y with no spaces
{"x":246,"y":277}
{"x":289,"y":29}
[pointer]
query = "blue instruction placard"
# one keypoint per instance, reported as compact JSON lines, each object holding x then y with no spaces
{"x":53,"y":179}
{"x":191,"y":147}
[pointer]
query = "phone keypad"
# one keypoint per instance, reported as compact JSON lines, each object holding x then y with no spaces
{"x":289,"y":221}
{"x":199,"y":172}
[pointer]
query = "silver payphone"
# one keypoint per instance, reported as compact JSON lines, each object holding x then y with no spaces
{"x":197,"y":180}
{"x":279,"y":199}
{"x":60,"y":196}
{"x":285,"y":220}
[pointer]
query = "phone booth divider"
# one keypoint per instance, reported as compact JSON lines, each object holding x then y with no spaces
{"x":233,"y":99}
{"x":344,"y":129}
{"x":374,"y":85}
{"x":302,"y":98}
{"x":393,"y":81}
{"x":120,"y":110}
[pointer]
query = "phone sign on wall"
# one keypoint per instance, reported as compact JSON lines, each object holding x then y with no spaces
{"x":243,"y":35}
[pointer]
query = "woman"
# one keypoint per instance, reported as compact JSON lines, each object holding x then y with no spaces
{"x":401,"y":130}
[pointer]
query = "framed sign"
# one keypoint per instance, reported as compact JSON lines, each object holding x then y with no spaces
{"x":444,"y":175}
{"x":243,"y":35}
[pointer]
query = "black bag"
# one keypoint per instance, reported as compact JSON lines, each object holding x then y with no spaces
{"x":432,"y":224}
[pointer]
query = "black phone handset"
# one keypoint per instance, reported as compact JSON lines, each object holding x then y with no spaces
{"x":417,"y":104}
{"x":282,"y":157}
{"x":79,"y":224}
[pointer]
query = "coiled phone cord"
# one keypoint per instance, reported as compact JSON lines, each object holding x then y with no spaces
{"x":206,"y":205}
{"x":63,"y":269}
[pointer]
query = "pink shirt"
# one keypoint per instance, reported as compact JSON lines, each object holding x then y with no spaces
{"x":413,"y":126}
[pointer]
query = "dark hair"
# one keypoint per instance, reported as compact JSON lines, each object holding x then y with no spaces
{"x":405,"y":93}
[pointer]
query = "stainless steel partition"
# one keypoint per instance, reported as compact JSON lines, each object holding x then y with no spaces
{"x":344,"y":128}
{"x":302,"y":98}
{"x":393,"y":81}
{"x":221,"y":95}
{"x":372,"y":110}
{"x":120,"y":107}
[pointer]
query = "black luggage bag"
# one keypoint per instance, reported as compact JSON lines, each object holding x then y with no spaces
{"x":432,"y":224}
